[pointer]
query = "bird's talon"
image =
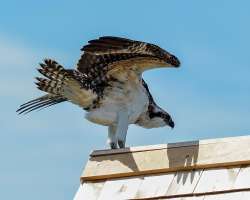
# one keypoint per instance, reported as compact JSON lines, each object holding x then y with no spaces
{"x":113,"y":145}
{"x":121,"y":144}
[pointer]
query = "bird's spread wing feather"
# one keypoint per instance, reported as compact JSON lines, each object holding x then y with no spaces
{"x":108,"y":53}
{"x":108,"y":44}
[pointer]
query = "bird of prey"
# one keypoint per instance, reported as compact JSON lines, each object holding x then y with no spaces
{"x":108,"y":84}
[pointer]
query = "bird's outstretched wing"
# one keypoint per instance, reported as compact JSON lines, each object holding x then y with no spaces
{"x":109,"y":53}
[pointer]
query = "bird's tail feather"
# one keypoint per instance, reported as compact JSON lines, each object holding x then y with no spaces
{"x":56,"y":76}
{"x":40,"y":103}
{"x":61,"y":85}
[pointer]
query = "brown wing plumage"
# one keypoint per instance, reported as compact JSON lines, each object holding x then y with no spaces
{"x":106,"y":53}
{"x":109,"y":44}
{"x":100,"y":53}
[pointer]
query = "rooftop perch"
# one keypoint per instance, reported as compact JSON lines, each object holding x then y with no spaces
{"x":197,"y":170}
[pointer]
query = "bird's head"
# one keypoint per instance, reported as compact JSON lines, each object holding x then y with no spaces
{"x":159,"y":118}
{"x":156,"y":117}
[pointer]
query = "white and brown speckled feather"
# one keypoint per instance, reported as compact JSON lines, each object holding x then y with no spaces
{"x":61,"y":85}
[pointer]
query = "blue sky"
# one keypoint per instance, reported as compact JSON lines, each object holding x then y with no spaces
{"x":43,"y":153}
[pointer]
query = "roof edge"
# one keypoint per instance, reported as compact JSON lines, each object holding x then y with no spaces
{"x":102,"y":152}
{"x":134,"y":161}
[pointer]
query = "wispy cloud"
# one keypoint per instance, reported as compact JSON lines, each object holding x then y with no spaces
{"x":18,"y":65}
{"x":13,"y":53}
{"x":38,"y":142}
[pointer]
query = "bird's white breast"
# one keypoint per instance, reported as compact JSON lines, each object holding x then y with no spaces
{"x":129,"y":95}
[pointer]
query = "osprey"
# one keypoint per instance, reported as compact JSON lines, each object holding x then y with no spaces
{"x":108,"y":84}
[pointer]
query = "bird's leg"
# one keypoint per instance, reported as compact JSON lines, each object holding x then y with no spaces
{"x":122,"y":128}
{"x":112,"y":139}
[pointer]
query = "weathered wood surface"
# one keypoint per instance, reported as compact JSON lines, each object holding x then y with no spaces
{"x":223,"y":196}
{"x":120,"y":189}
{"x":201,"y":170}
{"x":152,"y":186}
{"x":217,"y":180}
{"x":184,"y":182}
{"x":200,"y":184}
{"x":243,"y":178}
{"x":165,"y":146}
{"x":136,"y":161}
{"x":89,"y":191}
{"x":229,"y":196}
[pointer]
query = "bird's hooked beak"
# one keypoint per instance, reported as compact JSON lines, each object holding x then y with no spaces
{"x":168,"y":120}
{"x":171,"y":123}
